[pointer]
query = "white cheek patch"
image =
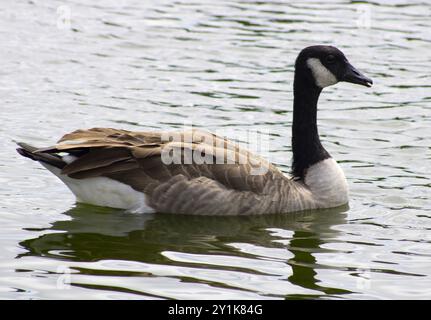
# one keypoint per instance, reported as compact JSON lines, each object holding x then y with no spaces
{"x":321,"y":74}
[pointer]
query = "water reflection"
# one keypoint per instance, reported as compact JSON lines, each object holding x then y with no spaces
{"x":95,"y":234}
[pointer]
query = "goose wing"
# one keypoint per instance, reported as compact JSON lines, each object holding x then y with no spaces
{"x":180,"y":172}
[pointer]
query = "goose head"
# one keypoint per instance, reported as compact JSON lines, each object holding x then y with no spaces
{"x":324,"y":66}
{"x":316,"y":67}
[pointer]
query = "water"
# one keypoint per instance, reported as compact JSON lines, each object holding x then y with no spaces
{"x":226,"y":66}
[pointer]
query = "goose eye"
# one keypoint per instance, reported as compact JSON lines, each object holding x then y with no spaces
{"x":330,"y":59}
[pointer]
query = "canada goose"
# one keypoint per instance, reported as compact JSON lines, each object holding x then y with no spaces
{"x":127,"y":170}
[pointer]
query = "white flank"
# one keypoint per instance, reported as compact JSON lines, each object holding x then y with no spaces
{"x":327,"y":183}
{"x":321,"y":74}
{"x":102,"y":191}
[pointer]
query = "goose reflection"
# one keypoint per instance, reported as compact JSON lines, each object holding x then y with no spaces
{"x":94,"y":234}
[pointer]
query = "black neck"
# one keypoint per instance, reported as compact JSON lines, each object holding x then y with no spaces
{"x":306,"y":146}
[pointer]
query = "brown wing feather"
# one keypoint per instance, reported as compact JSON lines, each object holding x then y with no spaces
{"x":97,"y":158}
{"x":135,"y":158}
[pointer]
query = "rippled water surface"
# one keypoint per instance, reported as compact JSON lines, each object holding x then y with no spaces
{"x":226,"y":66}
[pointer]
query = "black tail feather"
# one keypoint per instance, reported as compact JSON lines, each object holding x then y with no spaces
{"x":31,"y":152}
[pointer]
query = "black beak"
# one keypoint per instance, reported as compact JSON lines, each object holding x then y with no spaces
{"x":352,"y":75}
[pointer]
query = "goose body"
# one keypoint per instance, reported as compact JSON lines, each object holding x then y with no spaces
{"x":197,"y":172}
